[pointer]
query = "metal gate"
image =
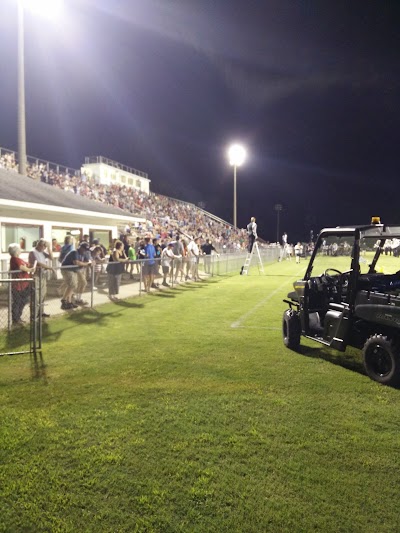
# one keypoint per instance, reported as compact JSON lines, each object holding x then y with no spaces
{"x":20,"y":317}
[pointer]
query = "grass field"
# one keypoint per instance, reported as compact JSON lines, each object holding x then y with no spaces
{"x":183,"y":411}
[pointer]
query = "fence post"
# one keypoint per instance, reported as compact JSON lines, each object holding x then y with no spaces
{"x":9,"y":305}
{"x":141,"y":278}
{"x":38,"y":307}
{"x":92,"y":287}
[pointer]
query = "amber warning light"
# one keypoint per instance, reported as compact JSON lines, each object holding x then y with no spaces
{"x":375,"y":220}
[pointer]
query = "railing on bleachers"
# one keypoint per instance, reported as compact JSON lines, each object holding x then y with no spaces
{"x":101,"y":159}
{"x":37,"y":164}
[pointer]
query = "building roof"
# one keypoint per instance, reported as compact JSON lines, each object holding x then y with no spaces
{"x":14,"y":187}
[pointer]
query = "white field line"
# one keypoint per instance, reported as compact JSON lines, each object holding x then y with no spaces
{"x":243,"y":318}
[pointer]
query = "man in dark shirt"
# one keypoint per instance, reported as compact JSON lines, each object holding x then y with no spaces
{"x":74,"y":261}
{"x":252,"y":233}
{"x":207,"y":248}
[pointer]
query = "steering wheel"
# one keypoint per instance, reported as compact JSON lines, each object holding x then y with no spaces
{"x":329,"y":277}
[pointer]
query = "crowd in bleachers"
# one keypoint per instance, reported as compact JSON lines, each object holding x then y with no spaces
{"x":7,"y":161}
{"x":164,"y":215}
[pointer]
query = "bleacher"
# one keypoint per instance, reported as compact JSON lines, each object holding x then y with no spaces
{"x":164,"y":215}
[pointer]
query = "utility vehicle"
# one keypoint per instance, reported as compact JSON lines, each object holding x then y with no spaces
{"x":350,"y":296}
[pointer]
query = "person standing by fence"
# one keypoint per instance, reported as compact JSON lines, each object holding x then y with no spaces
{"x":20,"y":290}
{"x":149,"y":266}
{"x":178,"y":250}
{"x":207,"y":249}
{"x":115,"y":268}
{"x":167,"y":258}
{"x":194,"y":254}
{"x":42,"y":255}
{"x":73,"y":262}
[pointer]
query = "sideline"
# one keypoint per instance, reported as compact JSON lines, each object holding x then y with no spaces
{"x":238,"y":323}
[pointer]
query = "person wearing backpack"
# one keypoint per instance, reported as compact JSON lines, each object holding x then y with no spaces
{"x":252,"y":233}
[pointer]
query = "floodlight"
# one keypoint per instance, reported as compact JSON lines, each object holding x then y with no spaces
{"x":46,"y":8}
{"x":237,"y":155}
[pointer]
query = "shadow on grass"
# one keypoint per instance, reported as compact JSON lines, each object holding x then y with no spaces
{"x":349,"y":359}
{"x":17,"y":341}
{"x":164,"y":294}
{"x":38,"y":366}
{"x":90,"y":316}
{"x":48,"y":334}
{"x":193,"y":286}
{"x":129,"y":303}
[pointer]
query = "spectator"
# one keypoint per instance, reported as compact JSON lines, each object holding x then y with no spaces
{"x":96,"y":242}
{"x":186,"y":260}
{"x":20,"y":290}
{"x":132,"y":258}
{"x":167,"y":258}
{"x":42,"y":257}
{"x":149,"y":267}
{"x":178,"y":250}
{"x":84,"y":256}
{"x":74,"y":262}
{"x":115,"y":268}
{"x":55,"y":246}
{"x":207,"y":248}
{"x":194,"y":255}
{"x":68,"y":246}
{"x":97,"y":261}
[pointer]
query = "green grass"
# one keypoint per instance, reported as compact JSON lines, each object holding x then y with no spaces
{"x":157,"y":415}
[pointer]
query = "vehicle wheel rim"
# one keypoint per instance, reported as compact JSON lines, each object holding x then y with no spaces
{"x":379,"y":360}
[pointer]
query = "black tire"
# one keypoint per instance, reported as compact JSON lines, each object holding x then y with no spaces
{"x":291,"y":329}
{"x":381,"y":360}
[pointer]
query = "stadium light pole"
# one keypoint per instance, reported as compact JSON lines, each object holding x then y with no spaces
{"x":49,"y":8}
{"x":21,"y":93}
{"x":278,"y":208}
{"x":237,"y":155}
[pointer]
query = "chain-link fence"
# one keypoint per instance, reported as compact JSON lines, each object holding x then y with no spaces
{"x":20,"y":316}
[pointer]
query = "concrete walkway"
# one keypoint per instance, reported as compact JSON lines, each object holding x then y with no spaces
{"x":129,"y":288}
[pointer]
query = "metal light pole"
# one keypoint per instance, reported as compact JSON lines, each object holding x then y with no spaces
{"x":21,"y":93}
{"x":234,"y":198}
{"x":237,"y":155}
{"x":278,"y":208}
{"x":50,"y":9}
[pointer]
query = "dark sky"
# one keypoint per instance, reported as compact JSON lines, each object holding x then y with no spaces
{"x":311,"y":88}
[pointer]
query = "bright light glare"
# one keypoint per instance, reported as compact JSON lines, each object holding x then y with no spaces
{"x":45,"y":8}
{"x":237,"y":155}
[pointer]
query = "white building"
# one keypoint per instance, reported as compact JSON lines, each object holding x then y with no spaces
{"x":108,"y":172}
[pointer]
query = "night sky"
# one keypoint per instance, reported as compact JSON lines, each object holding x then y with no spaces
{"x":311,"y":88}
